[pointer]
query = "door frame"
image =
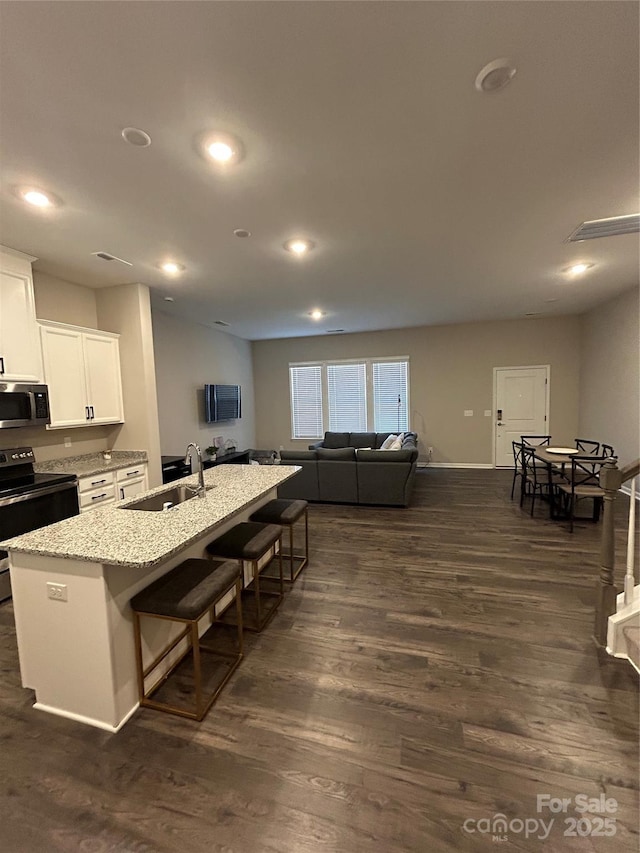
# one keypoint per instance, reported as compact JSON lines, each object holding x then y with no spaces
{"x":547,"y":367}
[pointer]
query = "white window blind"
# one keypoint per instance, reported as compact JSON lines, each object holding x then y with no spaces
{"x":306,"y":401}
{"x":390,"y":396}
{"x":347,"y":396}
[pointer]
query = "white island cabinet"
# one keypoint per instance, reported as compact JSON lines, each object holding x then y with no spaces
{"x":82,"y":370}
{"x":76,"y":648}
{"x":20,"y":357}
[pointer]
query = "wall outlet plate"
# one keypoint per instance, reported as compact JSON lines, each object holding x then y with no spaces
{"x":57,"y":591}
{"x":67,"y":441}
{"x":468,"y":413}
{"x":487,"y":413}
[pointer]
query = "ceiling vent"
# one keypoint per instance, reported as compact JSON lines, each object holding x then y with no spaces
{"x":221,"y":323}
{"x":606,"y":228}
{"x":334,"y":331}
{"x":105,"y":256}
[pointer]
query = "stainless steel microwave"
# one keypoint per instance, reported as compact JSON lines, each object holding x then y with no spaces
{"x":23,"y":405}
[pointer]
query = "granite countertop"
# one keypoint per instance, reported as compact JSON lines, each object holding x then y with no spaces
{"x":140,"y":539}
{"x":91,"y":463}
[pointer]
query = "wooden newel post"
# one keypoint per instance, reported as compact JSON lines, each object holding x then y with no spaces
{"x":610,"y":480}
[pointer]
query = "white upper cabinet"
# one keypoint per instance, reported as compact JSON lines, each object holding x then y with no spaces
{"x":82,"y":370}
{"x":20,"y":357}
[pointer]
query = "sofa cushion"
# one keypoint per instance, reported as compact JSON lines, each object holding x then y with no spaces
{"x":338,"y":454}
{"x":384,"y":456}
{"x":362,"y":439}
{"x":333,"y":440}
{"x":292,"y":455}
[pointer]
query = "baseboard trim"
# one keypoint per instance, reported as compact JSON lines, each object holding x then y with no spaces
{"x":455,"y":465}
{"x":87,"y":721}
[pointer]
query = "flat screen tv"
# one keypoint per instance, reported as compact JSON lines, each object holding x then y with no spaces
{"x":222,"y":403}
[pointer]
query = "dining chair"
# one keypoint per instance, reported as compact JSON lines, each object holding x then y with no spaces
{"x":584,"y":485}
{"x":518,"y":467}
{"x":607,"y":451}
{"x":535,"y":440}
{"x":584,"y":445}
{"x":539,"y":480}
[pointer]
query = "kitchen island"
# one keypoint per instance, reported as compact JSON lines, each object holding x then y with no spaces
{"x":72,"y":583}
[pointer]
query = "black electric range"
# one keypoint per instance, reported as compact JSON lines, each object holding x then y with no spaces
{"x":29,"y":500}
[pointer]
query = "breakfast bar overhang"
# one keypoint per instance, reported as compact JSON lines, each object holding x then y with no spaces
{"x":76,"y":650}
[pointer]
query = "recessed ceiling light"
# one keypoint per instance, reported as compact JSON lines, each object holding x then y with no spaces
{"x":137,"y":137}
{"x":495,"y":75}
{"x":221,"y":147}
{"x":37,"y":198}
{"x":169,"y":299}
{"x":242,"y":232}
{"x":298,"y":246}
{"x":171,"y":267}
{"x":316,"y":314}
{"x":578,"y":269}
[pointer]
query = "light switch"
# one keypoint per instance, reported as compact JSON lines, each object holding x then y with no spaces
{"x":468,"y":413}
{"x":487,"y":413}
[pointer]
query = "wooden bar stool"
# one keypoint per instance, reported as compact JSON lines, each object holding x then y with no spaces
{"x":287,"y":513}
{"x":185,"y":595}
{"x":250,"y":541}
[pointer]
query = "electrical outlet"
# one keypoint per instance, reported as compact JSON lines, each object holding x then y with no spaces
{"x":67,"y":441}
{"x":57,"y":591}
{"x":430,"y":449}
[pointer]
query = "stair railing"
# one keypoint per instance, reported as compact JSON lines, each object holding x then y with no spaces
{"x":611,"y":478}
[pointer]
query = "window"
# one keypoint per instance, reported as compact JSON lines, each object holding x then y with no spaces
{"x":306,"y":401}
{"x":349,"y":396}
{"x":390,"y":387}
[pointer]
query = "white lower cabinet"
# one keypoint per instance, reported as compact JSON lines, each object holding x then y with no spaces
{"x":131,"y":481}
{"x":82,"y":370}
{"x":112,"y":486}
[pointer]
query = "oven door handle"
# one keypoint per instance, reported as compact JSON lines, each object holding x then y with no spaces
{"x":36,"y":493}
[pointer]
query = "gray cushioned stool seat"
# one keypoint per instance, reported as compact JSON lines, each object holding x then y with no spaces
{"x":187,"y":591}
{"x":280,"y":511}
{"x":248,"y":540}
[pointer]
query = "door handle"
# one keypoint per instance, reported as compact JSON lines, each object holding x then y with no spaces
{"x":86,"y":412}
{"x":1,"y":365}
{"x":500,"y":423}
{"x":92,"y":415}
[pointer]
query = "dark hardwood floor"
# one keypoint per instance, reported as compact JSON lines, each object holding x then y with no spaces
{"x":431,"y":666}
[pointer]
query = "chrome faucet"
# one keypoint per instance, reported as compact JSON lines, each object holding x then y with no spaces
{"x":201,"y":489}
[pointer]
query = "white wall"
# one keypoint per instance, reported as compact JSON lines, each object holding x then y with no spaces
{"x":64,"y":302}
{"x":610,"y":375}
{"x":126,"y":309}
{"x":451,"y":369}
{"x":188,"y":356}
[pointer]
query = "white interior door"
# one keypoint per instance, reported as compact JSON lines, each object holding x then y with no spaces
{"x":520,"y":408}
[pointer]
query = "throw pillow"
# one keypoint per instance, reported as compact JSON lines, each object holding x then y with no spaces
{"x":386,"y":444}
{"x":395,"y":445}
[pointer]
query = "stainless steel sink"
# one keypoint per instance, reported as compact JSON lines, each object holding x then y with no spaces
{"x":166,"y":500}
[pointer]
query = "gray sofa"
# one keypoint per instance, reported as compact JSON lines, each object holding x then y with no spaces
{"x":351,"y":468}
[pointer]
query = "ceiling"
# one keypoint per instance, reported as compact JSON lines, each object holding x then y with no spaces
{"x":428,"y":201}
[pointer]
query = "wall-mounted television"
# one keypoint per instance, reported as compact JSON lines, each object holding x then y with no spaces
{"x":222,"y":403}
